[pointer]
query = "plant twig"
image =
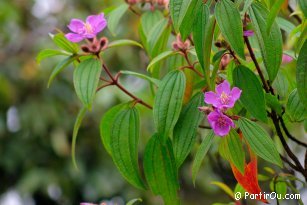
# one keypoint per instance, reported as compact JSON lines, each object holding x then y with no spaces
{"x":205,"y":127}
{"x":134,"y":11}
{"x":104,"y":86}
{"x":286,"y":147}
{"x":283,"y":125}
{"x":289,"y":163}
{"x":295,"y":16}
{"x":251,"y":52}
{"x":122,"y":88}
{"x":191,"y":66}
{"x":234,"y":56}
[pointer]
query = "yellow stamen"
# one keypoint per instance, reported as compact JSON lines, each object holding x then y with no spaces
{"x":224,"y":98}
{"x":88,"y":28}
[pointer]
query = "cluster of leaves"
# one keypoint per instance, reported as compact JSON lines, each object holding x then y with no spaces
{"x":178,"y":87}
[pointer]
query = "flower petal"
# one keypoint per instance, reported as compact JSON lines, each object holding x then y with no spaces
{"x":89,"y":35}
{"x":230,"y":104}
{"x":73,"y":37}
{"x":229,"y":121}
{"x":221,"y":130}
{"x":248,"y":33}
{"x":213,"y":117}
{"x":223,"y":87}
{"x":76,"y":26}
{"x":211,"y":98}
{"x":235,"y":93}
{"x":286,"y":59}
{"x":98,"y":22}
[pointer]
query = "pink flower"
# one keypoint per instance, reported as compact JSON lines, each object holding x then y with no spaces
{"x":248,"y":33}
{"x":220,"y":123}
{"x":286,"y":59}
{"x":223,"y":97}
{"x":88,"y":29}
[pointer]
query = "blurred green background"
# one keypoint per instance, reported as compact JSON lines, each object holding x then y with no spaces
{"x":36,"y":123}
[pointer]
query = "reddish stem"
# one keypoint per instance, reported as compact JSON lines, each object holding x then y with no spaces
{"x":114,"y":81}
{"x":191,"y":66}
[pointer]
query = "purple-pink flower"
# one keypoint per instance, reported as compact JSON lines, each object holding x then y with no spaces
{"x":248,"y":33}
{"x":286,"y":59}
{"x":220,"y":123}
{"x":223,"y":97}
{"x":86,"y":30}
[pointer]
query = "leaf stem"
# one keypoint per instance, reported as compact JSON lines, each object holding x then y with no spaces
{"x":283,"y":125}
{"x":134,"y":11}
{"x":286,"y":147}
{"x":191,"y":66}
{"x":115,"y":81}
{"x":251,"y":52}
{"x":205,"y":127}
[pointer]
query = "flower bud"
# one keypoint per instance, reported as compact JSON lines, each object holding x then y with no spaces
{"x":179,"y":45}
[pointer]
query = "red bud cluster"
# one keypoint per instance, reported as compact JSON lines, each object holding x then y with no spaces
{"x":95,"y":46}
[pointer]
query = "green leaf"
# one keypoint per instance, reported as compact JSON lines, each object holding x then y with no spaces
{"x":106,"y":123}
{"x":134,"y":201}
{"x":148,"y":25}
{"x":160,"y":57}
{"x":59,"y":67}
{"x":156,"y":38}
{"x":61,"y":41}
{"x":139,"y":75}
{"x":47,"y":53}
{"x":149,"y":19}
{"x":232,"y":29}
{"x":86,"y":78}
{"x":124,"y":42}
{"x":199,"y":32}
{"x":216,"y":67}
{"x":178,"y":9}
{"x":218,"y":55}
{"x":114,"y":17}
{"x":295,"y":107}
{"x":252,"y":96}
{"x":270,"y":45}
{"x":168,"y":102}
{"x":78,"y":122}
{"x":303,"y":6}
{"x":285,"y":25}
{"x":224,"y":187}
{"x":189,"y":17}
{"x":224,"y":150}
{"x":273,"y":103}
{"x":160,"y":170}
{"x":236,"y":151}
{"x":239,"y":189}
{"x":302,"y":37}
{"x":247,"y":4}
{"x":186,"y":128}
{"x":301,"y":74}
{"x":201,"y":153}
{"x":281,"y":85}
{"x":279,"y":187}
{"x":124,"y":138}
{"x":273,"y":14}
{"x":259,"y":141}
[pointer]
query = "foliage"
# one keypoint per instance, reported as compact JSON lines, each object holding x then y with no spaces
{"x":195,"y":47}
